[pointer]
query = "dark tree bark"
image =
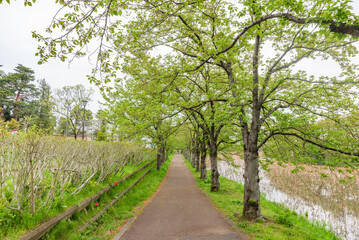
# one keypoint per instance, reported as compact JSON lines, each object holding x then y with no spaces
{"x":203,"y":159}
{"x":193,"y":147}
{"x":212,"y":128}
{"x":163,"y":154}
{"x":158,"y":160}
{"x":251,"y":202}
{"x":160,"y":153}
{"x":213,"y":153}
{"x":214,"y":169}
{"x":194,"y":154}
{"x":198,"y":154}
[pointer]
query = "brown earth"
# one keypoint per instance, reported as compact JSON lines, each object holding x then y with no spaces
{"x":181,"y":211}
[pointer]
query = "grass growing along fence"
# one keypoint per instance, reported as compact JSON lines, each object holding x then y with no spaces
{"x":42,"y":176}
{"x":116,"y":216}
{"x":279,"y":223}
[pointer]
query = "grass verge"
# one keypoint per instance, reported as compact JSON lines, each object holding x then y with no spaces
{"x":280,"y":223}
{"x":27,"y":221}
{"x":107,"y":226}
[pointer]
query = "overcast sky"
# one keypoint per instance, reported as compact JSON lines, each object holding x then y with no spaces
{"x":17,"y":46}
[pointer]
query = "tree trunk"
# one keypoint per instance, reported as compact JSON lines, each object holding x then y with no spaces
{"x":203,"y":160}
{"x":251,"y":203}
{"x":194,"y":156}
{"x":159,"y":158}
{"x":214,"y":169}
{"x":163,"y":154}
{"x":75,"y":135}
{"x":189,"y":159}
{"x":251,"y":199}
{"x":198,"y":154}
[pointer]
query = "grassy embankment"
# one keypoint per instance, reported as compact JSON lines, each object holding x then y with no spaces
{"x":30,"y":222}
{"x":112,"y":221}
{"x":280,"y":223}
{"x":42,"y":176}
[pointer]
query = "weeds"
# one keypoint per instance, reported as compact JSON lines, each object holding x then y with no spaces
{"x":333,"y":188}
{"x":325,"y":194}
{"x":111,"y":222}
{"x":278,"y":223}
{"x":42,"y":176}
{"x":285,"y":219}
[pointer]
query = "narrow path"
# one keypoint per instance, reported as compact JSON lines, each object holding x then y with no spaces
{"x":181,"y":211}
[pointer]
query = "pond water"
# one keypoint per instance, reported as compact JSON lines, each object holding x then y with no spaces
{"x":345,"y":226}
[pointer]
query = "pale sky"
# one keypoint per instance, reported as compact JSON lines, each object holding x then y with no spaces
{"x":18,"y":46}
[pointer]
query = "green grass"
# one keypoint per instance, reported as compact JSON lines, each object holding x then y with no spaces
{"x":107,"y":226}
{"x":13,"y":225}
{"x":280,"y":223}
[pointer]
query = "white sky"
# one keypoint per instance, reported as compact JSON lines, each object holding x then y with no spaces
{"x":17,"y":46}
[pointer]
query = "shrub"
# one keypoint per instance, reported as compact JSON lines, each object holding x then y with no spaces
{"x":40,"y":172}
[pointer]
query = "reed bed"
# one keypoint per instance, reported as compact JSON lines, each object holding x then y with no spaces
{"x":328,"y":195}
{"x":334,"y":188}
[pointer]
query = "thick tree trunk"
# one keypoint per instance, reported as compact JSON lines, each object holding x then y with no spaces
{"x":159,"y":159}
{"x":163,"y":154}
{"x":203,"y":160}
{"x":161,"y":151}
{"x":251,"y":203}
{"x":194,"y":156}
{"x":251,"y":199}
{"x":214,"y":169}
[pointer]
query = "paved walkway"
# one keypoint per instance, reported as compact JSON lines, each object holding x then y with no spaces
{"x":180,"y":211}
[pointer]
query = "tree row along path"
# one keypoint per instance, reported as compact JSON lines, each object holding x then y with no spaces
{"x":180,"y":210}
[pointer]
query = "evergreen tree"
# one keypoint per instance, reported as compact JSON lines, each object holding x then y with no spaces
{"x":44,"y":110}
{"x":17,"y":90}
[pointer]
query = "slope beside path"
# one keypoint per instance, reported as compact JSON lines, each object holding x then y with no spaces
{"x":180,"y":210}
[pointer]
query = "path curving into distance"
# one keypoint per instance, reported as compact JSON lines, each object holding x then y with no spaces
{"x":180,"y":211}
